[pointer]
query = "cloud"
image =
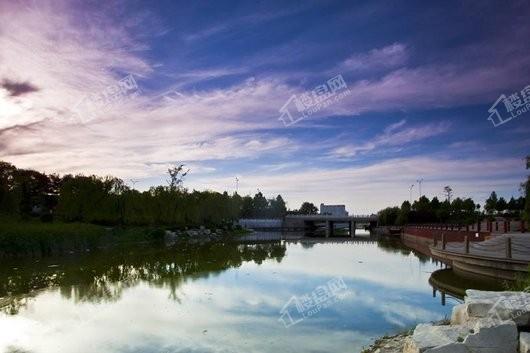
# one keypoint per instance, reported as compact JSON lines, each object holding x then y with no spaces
{"x":16,"y":89}
{"x":392,"y":136}
{"x":70,"y":53}
{"x":391,"y":56}
{"x":69,"y":58}
{"x":369,"y":188}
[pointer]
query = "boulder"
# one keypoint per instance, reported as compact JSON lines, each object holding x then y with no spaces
{"x":427,"y":336}
{"x":492,"y":337}
{"x":524,"y":342}
{"x":478,"y":336}
{"x":497,"y":306}
{"x":192,"y":233}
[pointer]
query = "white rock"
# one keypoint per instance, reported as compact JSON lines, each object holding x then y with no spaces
{"x":478,"y":336}
{"x":524,"y":342}
{"x":449,"y":348}
{"x":493,"y":336}
{"x":459,"y":314}
{"x":498,"y":306}
{"x":427,"y":336}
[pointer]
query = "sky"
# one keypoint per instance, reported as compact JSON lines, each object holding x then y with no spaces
{"x":378,"y":95}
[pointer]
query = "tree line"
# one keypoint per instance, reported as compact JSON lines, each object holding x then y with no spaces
{"x":109,"y":201}
{"x":461,"y":211}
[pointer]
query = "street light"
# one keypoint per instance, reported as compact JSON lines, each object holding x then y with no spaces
{"x":419,"y":183}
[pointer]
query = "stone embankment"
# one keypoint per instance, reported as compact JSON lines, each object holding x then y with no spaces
{"x":201,"y":235}
{"x":487,"y":322}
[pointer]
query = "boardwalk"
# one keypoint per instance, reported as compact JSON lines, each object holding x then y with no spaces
{"x":496,"y":247}
{"x":503,"y":257}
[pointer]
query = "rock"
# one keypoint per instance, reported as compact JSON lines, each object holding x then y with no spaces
{"x":459,"y":314}
{"x":427,"y":336}
{"x":480,"y":336}
{"x":498,"y":306}
{"x":192,"y":233}
{"x":524,"y":342}
{"x":493,"y":336}
{"x":392,"y":344}
{"x":207,"y":231}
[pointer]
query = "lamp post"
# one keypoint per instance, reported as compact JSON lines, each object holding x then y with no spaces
{"x":420,"y":181}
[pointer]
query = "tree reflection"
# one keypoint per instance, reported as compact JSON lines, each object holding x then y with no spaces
{"x":103,"y":277}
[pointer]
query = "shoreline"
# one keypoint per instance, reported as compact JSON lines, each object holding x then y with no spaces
{"x":486,"y":322}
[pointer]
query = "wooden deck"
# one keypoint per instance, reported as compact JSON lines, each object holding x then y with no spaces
{"x":502,"y":257}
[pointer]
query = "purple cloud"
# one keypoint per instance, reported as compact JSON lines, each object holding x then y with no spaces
{"x":16,"y":89}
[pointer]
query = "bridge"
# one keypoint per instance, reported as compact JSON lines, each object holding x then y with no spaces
{"x":310,"y":222}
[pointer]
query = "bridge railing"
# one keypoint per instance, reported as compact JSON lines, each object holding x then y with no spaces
{"x":371,"y":217}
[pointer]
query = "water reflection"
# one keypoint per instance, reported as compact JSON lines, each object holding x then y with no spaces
{"x":104,"y":276}
{"x":215,"y":298}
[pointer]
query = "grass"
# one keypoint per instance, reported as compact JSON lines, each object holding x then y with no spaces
{"x":238,"y":232}
{"x":521,"y":283}
{"x":34,"y":238}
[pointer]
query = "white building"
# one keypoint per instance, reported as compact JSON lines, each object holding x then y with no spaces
{"x":333,"y":210}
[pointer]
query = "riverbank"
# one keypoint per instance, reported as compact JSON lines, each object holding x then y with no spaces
{"x":486,"y":322}
{"x":39,"y":239}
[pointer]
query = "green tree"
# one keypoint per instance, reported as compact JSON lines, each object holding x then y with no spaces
{"x":308,"y":208}
{"x":404,"y":213}
{"x":260,"y":205}
{"x":491,"y":203}
{"x":388,"y":216}
{"x":501,"y":205}
{"x":278,"y":207}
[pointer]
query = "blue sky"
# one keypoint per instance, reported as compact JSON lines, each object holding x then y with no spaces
{"x":211,"y":78}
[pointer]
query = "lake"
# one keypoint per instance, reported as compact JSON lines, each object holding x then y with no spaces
{"x":293,"y":296}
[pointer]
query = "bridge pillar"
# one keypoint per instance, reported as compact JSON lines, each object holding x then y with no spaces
{"x":352,"y":225}
{"x":329,"y":229}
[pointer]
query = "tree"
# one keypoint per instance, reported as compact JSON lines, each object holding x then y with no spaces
{"x":308,"y":208}
{"x":404,"y":213}
{"x":260,"y":205}
{"x":491,"y":203}
{"x":7,"y":181}
{"x":501,"y":205}
{"x":246,"y":207}
{"x":448,"y":191}
{"x":278,"y":207}
{"x":176,"y":177}
{"x":388,"y":216}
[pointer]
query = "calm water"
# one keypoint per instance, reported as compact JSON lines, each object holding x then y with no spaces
{"x":216,"y":298}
